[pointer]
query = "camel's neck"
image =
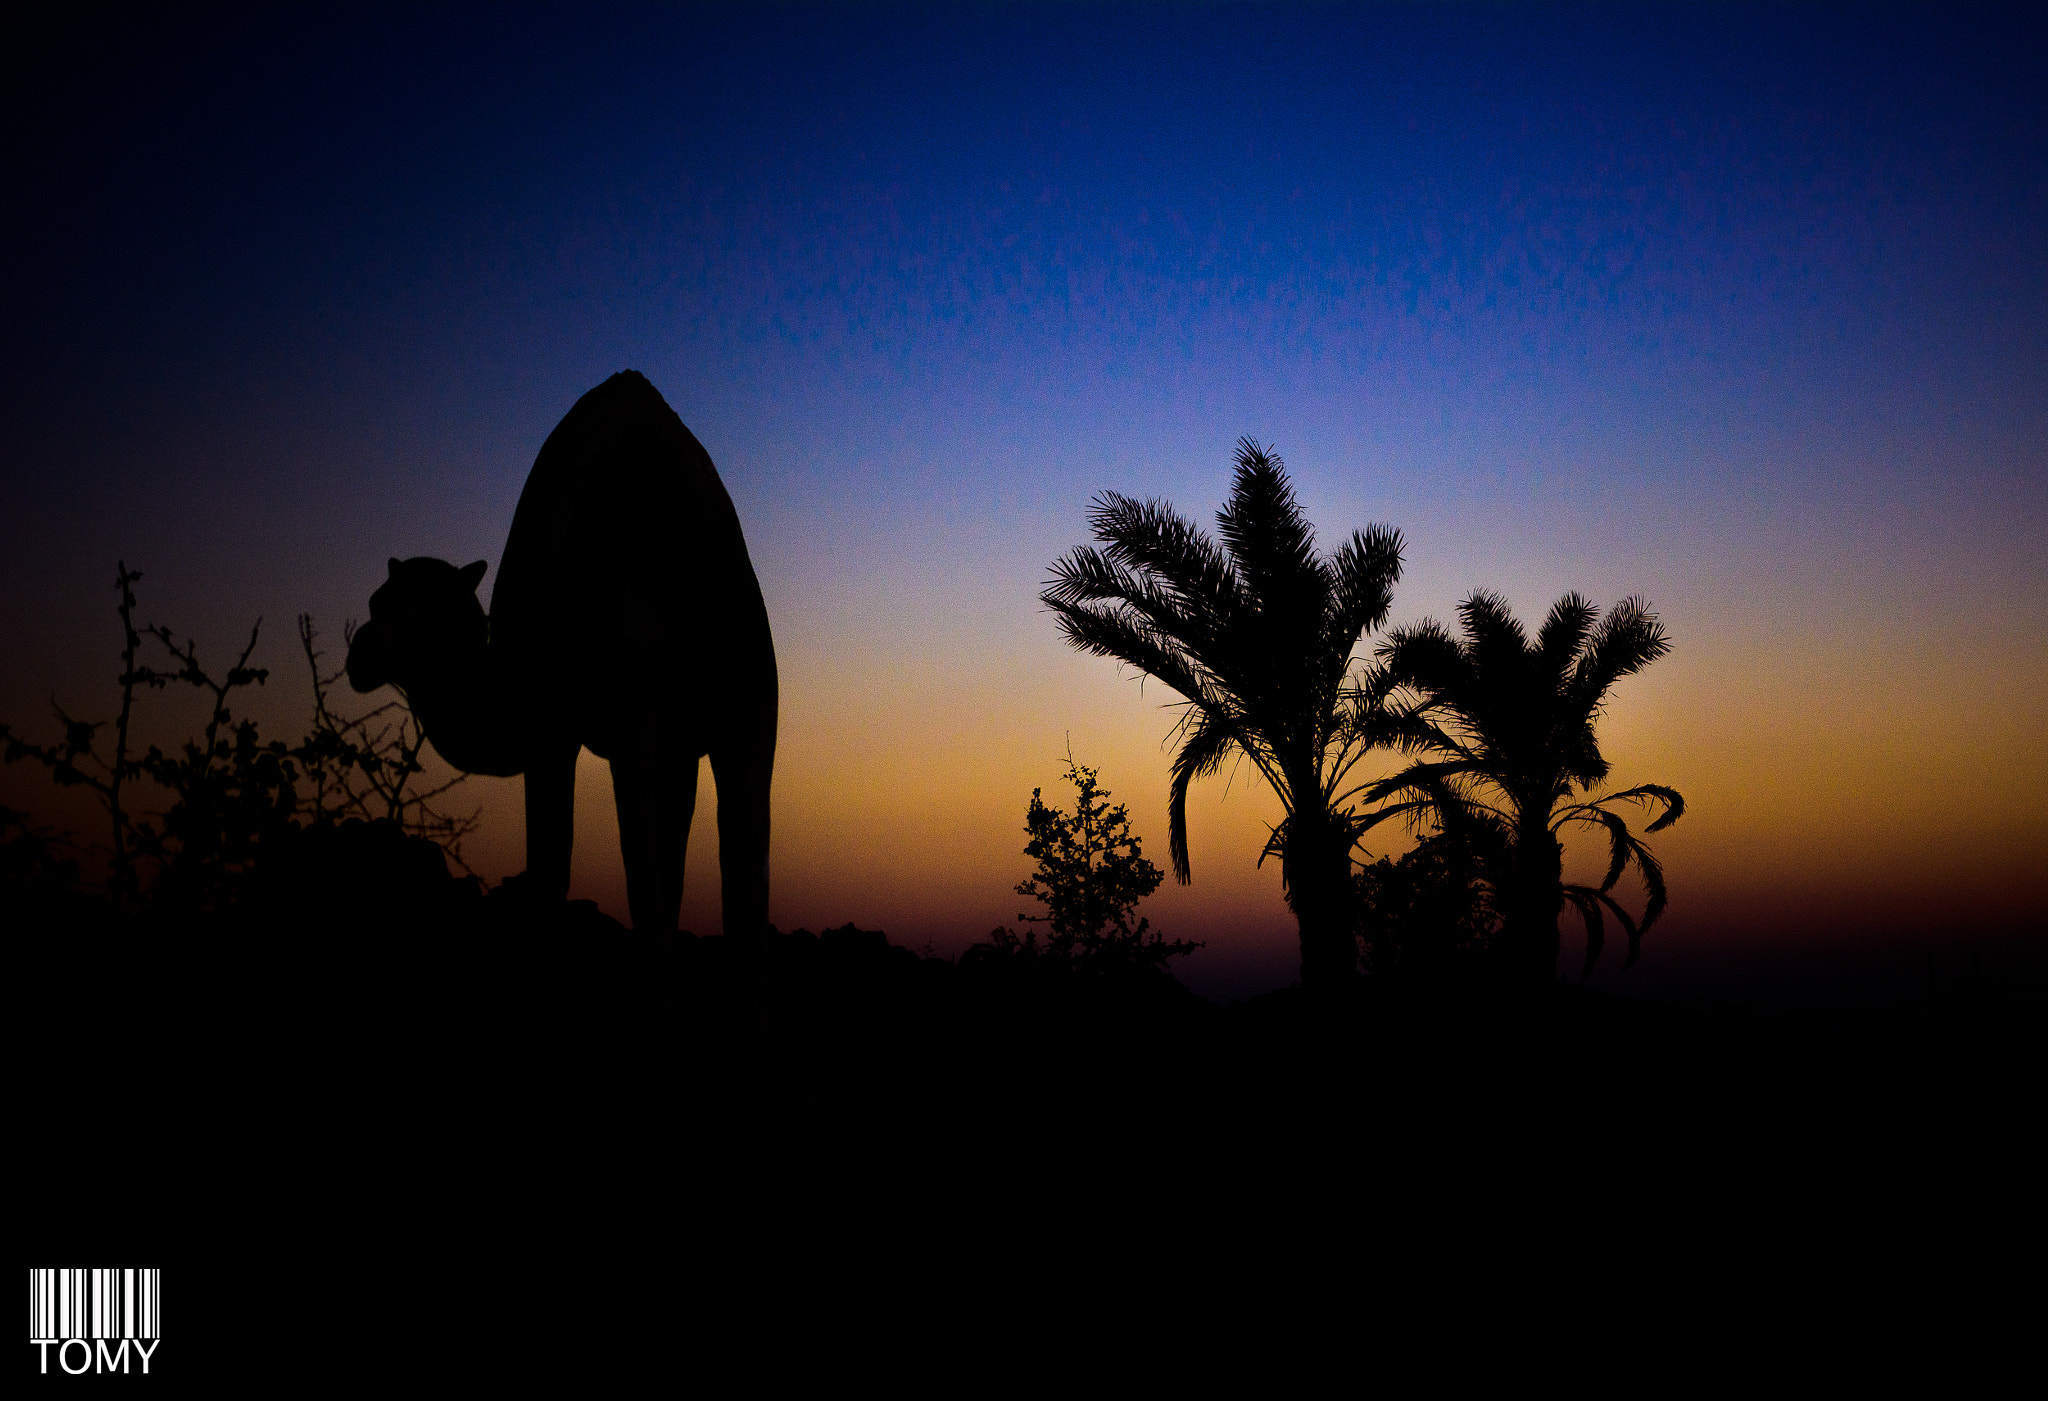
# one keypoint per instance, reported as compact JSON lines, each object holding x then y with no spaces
{"x":467,"y":713}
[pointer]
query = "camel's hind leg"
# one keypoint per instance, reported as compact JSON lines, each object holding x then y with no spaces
{"x":744,"y":769}
{"x":656,"y":800}
{"x":550,"y":820}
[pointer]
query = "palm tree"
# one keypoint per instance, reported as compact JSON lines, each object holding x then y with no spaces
{"x":1257,"y":636}
{"x":1505,"y":734}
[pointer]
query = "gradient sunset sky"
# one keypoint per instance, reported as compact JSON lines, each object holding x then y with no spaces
{"x":1744,"y":310}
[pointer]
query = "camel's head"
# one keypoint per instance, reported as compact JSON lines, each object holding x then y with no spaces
{"x":426,"y":612}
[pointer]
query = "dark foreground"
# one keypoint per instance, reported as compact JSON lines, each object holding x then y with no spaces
{"x":468,"y":1116}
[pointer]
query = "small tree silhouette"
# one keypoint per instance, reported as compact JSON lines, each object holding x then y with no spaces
{"x":75,"y":762}
{"x":214,"y":775}
{"x":1091,"y":874}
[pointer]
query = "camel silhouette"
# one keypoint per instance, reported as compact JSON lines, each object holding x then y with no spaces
{"x":626,"y":619}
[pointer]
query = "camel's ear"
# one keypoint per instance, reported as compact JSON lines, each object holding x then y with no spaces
{"x":393,"y":562}
{"x":473,"y":574}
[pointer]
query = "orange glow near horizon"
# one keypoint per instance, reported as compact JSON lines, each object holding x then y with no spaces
{"x":900,"y":802}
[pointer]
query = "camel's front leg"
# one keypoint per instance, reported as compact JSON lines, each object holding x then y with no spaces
{"x":550,"y":820}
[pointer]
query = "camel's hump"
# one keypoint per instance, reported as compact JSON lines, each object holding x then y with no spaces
{"x":623,"y":508}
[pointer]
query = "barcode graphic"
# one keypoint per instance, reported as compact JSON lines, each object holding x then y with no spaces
{"x":95,"y":1304}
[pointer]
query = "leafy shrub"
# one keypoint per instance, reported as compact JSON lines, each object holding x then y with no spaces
{"x":1091,"y":874}
{"x":1424,"y":916}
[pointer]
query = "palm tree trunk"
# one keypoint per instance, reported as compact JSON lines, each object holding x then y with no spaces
{"x":1316,"y":867}
{"x":1531,"y":903}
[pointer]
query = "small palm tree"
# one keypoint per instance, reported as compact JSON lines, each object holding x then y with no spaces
{"x":1257,"y":635}
{"x":1505,"y":731}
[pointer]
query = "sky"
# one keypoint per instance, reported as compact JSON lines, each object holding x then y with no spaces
{"x":1741,"y":310}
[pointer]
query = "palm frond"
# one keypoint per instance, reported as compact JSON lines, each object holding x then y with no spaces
{"x":1643,"y":793}
{"x":1621,"y":846}
{"x":1362,"y":711}
{"x":1416,"y":730}
{"x":1276,"y":845}
{"x":1151,"y":537}
{"x":1363,"y":724}
{"x":1440,"y":791}
{"x":1587,"y":903}
{"x":1624,"y":849}
{"x":1115,"y":633}
{"x":1628,"y":639}
{"x":1365,"y":571}
{"x":1571,"y":619}
{"x":1426,"y":658}
{"x":1089,"y":576}
{"x":1652,"y":872}
{"x":1576,"y":749}
{"x":1206,"y":740}
{"x":1493,"y":635}
{"x":1424,"y":776}
{"x":1414,"y":807}
{"x":1271,"y":543}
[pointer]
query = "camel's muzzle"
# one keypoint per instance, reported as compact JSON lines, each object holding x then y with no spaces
{"x":369,"y":660}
